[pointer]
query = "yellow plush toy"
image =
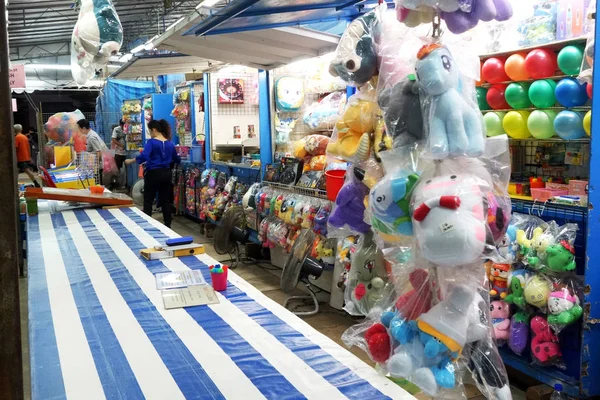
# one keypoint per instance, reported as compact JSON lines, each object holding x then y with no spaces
{"x":381,"y":140}
{"x":354,"y":129}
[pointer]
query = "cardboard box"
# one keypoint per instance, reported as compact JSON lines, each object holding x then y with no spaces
{"x":158,"y":253}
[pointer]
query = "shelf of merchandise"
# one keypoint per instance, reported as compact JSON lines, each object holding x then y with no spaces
{"x":316,"y":193}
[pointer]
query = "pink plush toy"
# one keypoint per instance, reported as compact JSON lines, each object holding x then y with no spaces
{"x":500,"y":313}
{"x":544,"y":344}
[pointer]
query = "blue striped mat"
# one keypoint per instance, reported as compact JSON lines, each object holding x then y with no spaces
{"x":98,"y":328}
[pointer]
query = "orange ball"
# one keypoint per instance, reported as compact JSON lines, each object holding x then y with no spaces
{"x":481,"y":81}
{"x":514,"y":66}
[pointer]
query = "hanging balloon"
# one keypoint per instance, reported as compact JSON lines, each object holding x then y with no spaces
{"x":493,"y":123}
{"x":541,"y":123}
{"x":515,"y":67}
{"x":569,"y":125}
{"x":516,"y":95}
{"x":495,"y":97}
{"x":481,"y":102}
{"x":569,"y":59}
{"x":492,"y":70}
{"x":588,"y":89}
{"x":541,"y":93}
{"x":570,"y":93}
{"x":515,"y":124}
{"x":540,"y":63}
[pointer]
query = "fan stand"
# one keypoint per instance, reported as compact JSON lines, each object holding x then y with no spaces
{"x":312,"y":296}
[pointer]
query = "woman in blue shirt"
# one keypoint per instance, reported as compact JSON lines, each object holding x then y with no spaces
{"x":159,"y":155}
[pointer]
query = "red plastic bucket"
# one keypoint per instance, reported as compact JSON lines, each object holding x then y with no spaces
{"x":219,"y":281}
{"x":334,"y":180}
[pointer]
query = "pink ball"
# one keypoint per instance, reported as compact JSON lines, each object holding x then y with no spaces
{"x":541,"y":63}
{"x":588,"y":89}
{"x":493,"y":71}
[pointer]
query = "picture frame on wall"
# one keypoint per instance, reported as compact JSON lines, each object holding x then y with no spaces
{"x":231,"y":91}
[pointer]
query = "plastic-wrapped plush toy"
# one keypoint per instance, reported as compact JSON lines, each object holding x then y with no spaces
{"x":311,"y":145}
{"x":97,"y":35}
{"x":470,"y":12}
{"x":508,"y":247}
{"x":351,"y":138}
{"x":324,"y":113}
{"x":448,"y":219}
{"x":349,"y":207}
{"x":500,"y":313}
{"x":498,"y":215}
{"x":545,"y":348}
{"x":561,"y":257}
{"x":537,"y":290}
{"x":563,"y":308}
{"x":62,"y":127}
{"x":284,"y":128}
{"x":540,"y":28}
{"x":289,"y":94}
{"x":355,"y":59}
{"x":499,"y":280}
{"x":321,"y":218}
{"x":367,"y":277}
{"x":454,"y":125}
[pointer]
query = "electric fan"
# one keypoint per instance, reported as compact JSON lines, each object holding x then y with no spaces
{"x":299,"y":267}
{"x":137,"y":193}
{"x":231,"y":231}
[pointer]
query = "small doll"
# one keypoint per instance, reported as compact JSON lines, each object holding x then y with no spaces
{"x":500,"y":313}
{"x":563,"y":308}
{"x":545,"y":347}
{"x":499,"y":280}
{"x":321,"y":218}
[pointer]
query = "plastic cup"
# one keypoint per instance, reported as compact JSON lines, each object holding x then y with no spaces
{"x":493,"y":123}
{"x":515,"y":124}
{"x":516,"y":95}
{"x":515,"y":67}
{"x":541,"y":93}
{"x":569,"y":59}
{"x":541,"y":124}
{"x":569,"y":125}
{"x":219,"y":281}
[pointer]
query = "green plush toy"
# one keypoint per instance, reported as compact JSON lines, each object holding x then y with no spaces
{"x":561,"y":257}
{"x":517,"y":296}
{"x":563,"y":307}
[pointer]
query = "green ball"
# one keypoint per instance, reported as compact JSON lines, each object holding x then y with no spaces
{"x":541,"y":93}
{"x":516,"y":95}
{"x":493,"y":123}
{"x":481,"y":101}
{"x":541,"y":124}
{"x":569,"y":59}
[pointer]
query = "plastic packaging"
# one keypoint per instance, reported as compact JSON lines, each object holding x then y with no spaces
{"x":564,"y":305}
{"x":97,"y":35}
{"x":348,"y":213}
{"x":324,"y":113}
{"x":558,"y":393}
{"x":284,"y":128}
{"x":587,"y":63}
{"x":62,"y":127}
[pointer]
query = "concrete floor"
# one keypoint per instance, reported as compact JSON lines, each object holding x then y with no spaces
{"x":329,"y":321}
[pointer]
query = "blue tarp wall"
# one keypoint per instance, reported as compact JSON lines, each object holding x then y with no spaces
{"x":110,"y":100}
{"x":167,"y":83}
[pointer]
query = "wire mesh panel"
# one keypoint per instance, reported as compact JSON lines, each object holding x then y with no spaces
{"x":88,"y":166}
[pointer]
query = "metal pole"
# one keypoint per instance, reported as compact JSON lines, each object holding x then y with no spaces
{"x":11,"y":357}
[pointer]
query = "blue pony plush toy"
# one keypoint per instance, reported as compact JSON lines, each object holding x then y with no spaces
{"x":455,"y":127}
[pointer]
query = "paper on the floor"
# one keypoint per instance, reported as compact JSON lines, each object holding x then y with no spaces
{"x":171,"y":280}
{"x":189,"y":296}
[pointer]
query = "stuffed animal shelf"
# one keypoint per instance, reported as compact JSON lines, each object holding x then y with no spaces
{"x":454,"y":126}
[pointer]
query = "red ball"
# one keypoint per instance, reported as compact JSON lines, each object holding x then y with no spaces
{"x":495,"y":97}
{"x":379,"y":343}
{"x":588,"y":89}
{"x":493,"y":71}
{"x":541,"y":63}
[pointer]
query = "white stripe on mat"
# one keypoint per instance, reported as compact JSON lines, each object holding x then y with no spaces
{"x":294,"y":369}
{"x":355,"y":364}
{"x":225,"y":374}
{"x":150,"y":371}
{"x":79,"y":372}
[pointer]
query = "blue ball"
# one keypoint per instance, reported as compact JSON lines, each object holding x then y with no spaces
{"x":569,"y":125}
{"x":570,"y":93}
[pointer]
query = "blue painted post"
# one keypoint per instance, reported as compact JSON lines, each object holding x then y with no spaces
{"x":207,"y":146}
{"x":193,"y":114}
{"x":264,"y":113}
{"x":590,"y":351}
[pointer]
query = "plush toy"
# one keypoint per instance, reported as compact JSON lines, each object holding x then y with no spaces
{"x":500,"y":313}
{"x":420,"y":298}
{"x":539,"y":245}
{"x":455,"y":126}
{"x":62,"y":128}
{"x":355,"y":59}
{"x":316,"y":163}
{"x":323,"y":114}
{"x":353,"y":130}
{"x":414,"y":18}
{"x":97,"y":35}
{"x":561,"y":257}
{"x":508,"y":247}
{"x":367,"y":277}
{"x":308,"y":215}
{"x":519,"y":332}
{"x":544,"y":344}
{"x":401,"y":110}
{"x":563,"y":307}
{"x":389,"y":203}
{"x":311,"y":145}
{"x":517,"y":295}
{"x":525,"y":243}
{"x":498,"y":279}
{"x":284,"y":128}
{"x":537,"y":291}
{"x":498,"y":215}
{"x":286,"y":211}
{"x":472,"y":11}
{"x":448,"y":219}
{"x":320,"y":220}
{"x":350,"y":209}
{"x":289,"y":94}
{"x":378,"y":342}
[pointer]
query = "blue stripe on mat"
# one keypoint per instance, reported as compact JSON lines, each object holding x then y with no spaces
{"x":46,"y":373}
{"x":118,"y":380}
{"x":267,"y":379}
{"x":336,"y":373}
{"x":189,"y":375}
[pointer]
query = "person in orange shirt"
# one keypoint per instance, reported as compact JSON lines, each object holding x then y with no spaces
{"x":24,"y":154}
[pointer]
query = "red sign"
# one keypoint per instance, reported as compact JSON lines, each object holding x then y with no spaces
{"x":16,"y":76}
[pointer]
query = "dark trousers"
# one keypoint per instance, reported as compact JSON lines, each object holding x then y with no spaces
{"x":158,"y":181}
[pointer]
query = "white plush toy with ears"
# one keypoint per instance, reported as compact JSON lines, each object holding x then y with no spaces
{"x":97,"y":35}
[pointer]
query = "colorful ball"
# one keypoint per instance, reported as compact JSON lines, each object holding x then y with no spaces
{"x":492,"y":70}
{"x":569,"y":59}
{"x":569,"y":125}
{"x":541,"y":124}
{"x":493,"y":123}
{"x":587,"y":122}
{"x":588,"y":89}
{"x":541,"y":93}
{"x":495,"y":97}
{"x":540,"y":63}
{"x":515,"y":124}
{"x":570,"y":93}
{"x":481,"y":81}
{"x":516,"y":95}
{"x":515,"y":67}
{"x":481,"y":102}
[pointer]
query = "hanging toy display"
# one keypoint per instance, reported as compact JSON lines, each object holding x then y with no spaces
{"x":182,"y":114}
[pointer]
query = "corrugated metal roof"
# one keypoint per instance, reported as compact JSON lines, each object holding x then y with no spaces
{"x":163,"y":65}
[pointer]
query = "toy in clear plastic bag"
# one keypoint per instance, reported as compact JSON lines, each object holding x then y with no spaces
{"x":564,"y":308}
{"x":545,"y":346}
{"x":552,"y":251}
{"x":97,"y":35}
{"x":540,"y":27}
{"x":345,"y":248}
{"x":284,"y":128}
{"x":587,"y":63}
{"x":324,"y":113}
{"x":311,"y":145}
{"x":537,"y":291}
{"x":62,"y":127}
{"x":349,"y":208}
{"x":367,"y":277}
{"x":452,"y":120}
{"x":355,"y":59}
{"x":500,"y":314}
{"x":321,"y":218}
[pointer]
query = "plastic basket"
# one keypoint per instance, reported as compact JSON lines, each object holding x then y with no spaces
{"x":334,"y":180}
{"x":546,"y":194}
